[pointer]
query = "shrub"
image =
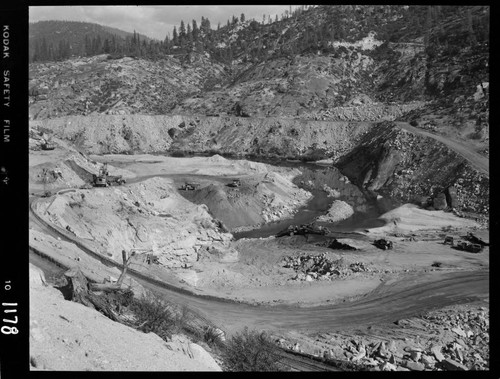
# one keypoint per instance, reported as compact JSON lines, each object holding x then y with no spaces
{"x":251,"y":351}
{"x":154,"y":315}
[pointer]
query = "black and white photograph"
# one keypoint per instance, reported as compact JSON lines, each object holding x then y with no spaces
{"x":239,"y":188}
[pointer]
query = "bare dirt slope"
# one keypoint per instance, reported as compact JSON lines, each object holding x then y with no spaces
{"x":67,"y":336}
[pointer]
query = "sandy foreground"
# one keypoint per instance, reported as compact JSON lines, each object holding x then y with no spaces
{"x":66,"y":336}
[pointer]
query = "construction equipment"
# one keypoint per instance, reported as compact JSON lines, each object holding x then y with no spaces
{"x":474,"y":239}
{"x":189,"y":186}
{"x":448,"y":240}
{"x":383,"y":244}
{"x":47,"y":143}
{"x":235,"y":183}
{"x":468,"y":246}
{"x":302,"y":230}
{"x":106,"y":180}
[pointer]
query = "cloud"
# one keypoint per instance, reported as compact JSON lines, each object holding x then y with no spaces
{"x":152,"y":21}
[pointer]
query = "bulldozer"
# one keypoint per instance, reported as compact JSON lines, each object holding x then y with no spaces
{"x":47,"y":143}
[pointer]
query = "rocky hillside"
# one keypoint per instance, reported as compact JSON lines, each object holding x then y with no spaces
{"x":302,"y":66}
{"x":383,"y":158}
{"x":409,"y":167}
{"x":315,"y":84}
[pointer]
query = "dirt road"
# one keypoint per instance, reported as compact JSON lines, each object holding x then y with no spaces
{"x":389,"y":302}
{"x":477,"y":160}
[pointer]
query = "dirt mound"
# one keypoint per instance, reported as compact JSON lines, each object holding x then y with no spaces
{"x":258,"y":200}
{"x":150,"y":215}
{"x":339,"y":211}
{"x":410,"y":217}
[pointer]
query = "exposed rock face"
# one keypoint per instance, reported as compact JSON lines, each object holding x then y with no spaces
{"x":406,"y":166}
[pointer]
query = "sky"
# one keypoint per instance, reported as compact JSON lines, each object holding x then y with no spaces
{"x":153,"y":21}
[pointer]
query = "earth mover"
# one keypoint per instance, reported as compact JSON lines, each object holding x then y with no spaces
{"x":47,"y":143}
{"x":235,"y":183}
{"x":189,"y":186}
{"x":106,"y":180}
{"x":383,"y":244}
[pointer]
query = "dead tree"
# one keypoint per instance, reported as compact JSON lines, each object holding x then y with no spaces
{"x":118,"y":285}
{"x":78,"y":289}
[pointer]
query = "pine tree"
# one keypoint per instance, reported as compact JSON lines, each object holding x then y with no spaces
{"x":196,"y":31}
{"x":175,"y":37}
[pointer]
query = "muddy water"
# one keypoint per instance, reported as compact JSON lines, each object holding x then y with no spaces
{"x":313,"y":177}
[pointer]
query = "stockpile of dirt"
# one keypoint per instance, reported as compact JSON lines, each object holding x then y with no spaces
{"x":260,"y":198}
{"x":150,"y":215}
{"x":338,"y":211}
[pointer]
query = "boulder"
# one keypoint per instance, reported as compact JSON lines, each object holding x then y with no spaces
{"x":428,"y":361}
{"x":452,"y":365}
{"x":459,"y":331}
{"x":436,"y":350}
{"x":36,"y":276}
{"x":386,"y":366}
{"x":414,"y":366}
{"x":415,"y":355}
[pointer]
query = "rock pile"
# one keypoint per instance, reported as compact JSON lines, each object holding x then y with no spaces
{"x":319,"y":267}
{"x":451,"y":339}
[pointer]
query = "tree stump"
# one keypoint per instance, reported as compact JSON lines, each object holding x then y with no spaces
{"x":77,"y":287}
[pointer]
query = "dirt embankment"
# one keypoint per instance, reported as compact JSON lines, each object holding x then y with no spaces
{"x":151,"y":216}
{"x":67,"y":336}
{"x":293,"y":138}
